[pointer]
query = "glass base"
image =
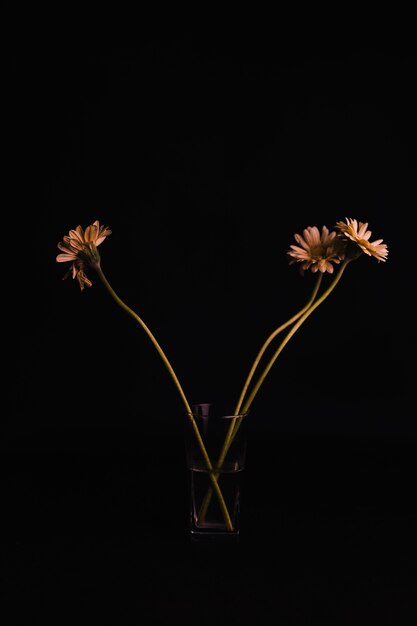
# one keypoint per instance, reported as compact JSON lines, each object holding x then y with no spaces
{"x":214,"y":536}
{"x":211,"y":525}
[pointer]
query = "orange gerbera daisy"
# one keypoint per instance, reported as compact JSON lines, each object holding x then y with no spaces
{"x":358,"y":232}
{"x":79,"y":248}
{"x":317,"y":251}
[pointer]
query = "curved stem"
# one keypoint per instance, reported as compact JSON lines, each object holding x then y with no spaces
{"x":271,"y":337}
{"x":148,"y":332}
{"x":235,"y":423}
{"x":290,"y":334}
{"x":301,"y":317}
{"x":164,"y":358}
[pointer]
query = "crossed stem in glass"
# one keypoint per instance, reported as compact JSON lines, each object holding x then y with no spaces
{"x":243,"y":405}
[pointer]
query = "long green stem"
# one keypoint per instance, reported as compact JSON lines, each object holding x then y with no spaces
{"x":291,"y":333}
{"x":304,"y":314}
{"x":235,"y":423}
{"x":271,"y":337}
{"x":164,"y":358}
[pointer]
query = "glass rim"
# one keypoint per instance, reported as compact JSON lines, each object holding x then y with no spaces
{"x":214,"y":410}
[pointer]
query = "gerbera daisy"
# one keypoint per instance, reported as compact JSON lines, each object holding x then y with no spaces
{"x":357,"y":232}
{"x":80,"y":249}
{"x":317,"y":251}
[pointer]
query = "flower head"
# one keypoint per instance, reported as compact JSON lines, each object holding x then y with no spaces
{"x":356,"y":232}
{"x":317,"y":251}
{"x":80,"y":249}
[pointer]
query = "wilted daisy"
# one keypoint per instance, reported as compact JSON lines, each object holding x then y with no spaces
{"x":80,"y":249}
{"x":317,"y":251}
{"x":358,"y":232}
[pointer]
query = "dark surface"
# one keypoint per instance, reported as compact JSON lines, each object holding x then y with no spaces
{"x":97,"y":522}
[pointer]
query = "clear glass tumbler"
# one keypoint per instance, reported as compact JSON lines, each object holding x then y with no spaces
{"x":215,"y":443}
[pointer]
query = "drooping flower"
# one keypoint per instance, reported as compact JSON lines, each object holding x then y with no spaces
{"x":358,"y":233}
{"x":317,"y":251}
{"x":79,"y":248}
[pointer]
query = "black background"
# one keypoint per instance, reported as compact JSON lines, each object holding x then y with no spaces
{"x":204,"y":158}
{"x":204,"y":155}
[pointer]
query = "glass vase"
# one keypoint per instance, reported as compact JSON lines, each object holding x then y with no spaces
{"x":215,"y":443}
